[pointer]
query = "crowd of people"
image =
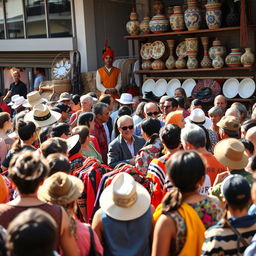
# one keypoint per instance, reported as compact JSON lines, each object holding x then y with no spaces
{"x":99,"y":174}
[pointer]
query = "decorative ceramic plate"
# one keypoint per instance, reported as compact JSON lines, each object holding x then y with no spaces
{"x":172,"y":85}
{"x":230,"y":88}
{"x":181,"y":50}
{"x":146,"y":51}
{"x":61,"y":69}
{"x":188,"y":85}
{"x":246,"y":88}
{"x":148,"y":86}
{"x":160,"y":87}
{"x":158,"y":49}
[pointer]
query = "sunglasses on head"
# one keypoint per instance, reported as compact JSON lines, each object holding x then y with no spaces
{"x":152,"y":113}
{"x":127,"y":127}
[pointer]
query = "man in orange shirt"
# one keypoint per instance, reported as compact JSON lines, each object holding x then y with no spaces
{"x":108,"y":78}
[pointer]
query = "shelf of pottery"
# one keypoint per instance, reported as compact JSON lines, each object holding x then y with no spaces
{"x":166,"y":54}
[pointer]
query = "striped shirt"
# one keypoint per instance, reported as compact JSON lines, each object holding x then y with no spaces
{"x":223,"y":241}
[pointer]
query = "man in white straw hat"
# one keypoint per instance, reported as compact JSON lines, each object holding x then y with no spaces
{"x":33,"y":98}
{"x":17,"y":104}
{"x":124,"y":222}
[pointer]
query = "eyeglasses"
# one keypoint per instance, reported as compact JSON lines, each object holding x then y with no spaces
{"x":152,"y":113}
{"x":130,"y":127}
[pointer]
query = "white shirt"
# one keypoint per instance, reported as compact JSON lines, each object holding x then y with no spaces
{"x":101,"y":87}
{"x":130,"y":146}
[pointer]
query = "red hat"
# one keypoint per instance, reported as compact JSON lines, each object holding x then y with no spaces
{"x":107,"y":51}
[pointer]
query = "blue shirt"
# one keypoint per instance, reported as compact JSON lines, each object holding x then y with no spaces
{"x":39,"y":78}
{"x":137,"y":129}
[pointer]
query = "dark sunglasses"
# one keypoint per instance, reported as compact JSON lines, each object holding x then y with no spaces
{"x":127,"y":127}
{"x":152,"y":113}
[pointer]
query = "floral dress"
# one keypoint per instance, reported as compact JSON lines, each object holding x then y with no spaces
{"x":147,"y":154}
{"x":209,"y":212}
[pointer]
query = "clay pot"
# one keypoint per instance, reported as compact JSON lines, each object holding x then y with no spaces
{"x":133,"y":26}
{"x":191,"y":45}
{"x":234,"y":58}
{"x":192,"y":16}
{"x":170,"y":62}
{"x":248,"y":58}
{"x":159,"y":24}
{"x":216,"y":47}
{"x":180,"y":63}
{"x":144,"y":25}
{"x":177,"y":19}
{"x":213,"y":15}
{"x":146,"y":65}
{"x":206,"y":61}
{"x":157,"y":64}
{"x":218,"y":62}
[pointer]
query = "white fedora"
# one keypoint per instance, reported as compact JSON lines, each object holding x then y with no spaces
{"x":33,"y":99}
{"x":42,"y":116}
{"x":126,"y":98}
{"x":125,"y":199}
{"x":18,"y":102}
{"x":197,"y":116}
{"x":13,"y":98}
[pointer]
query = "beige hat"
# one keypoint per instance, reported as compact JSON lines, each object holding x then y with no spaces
{"x":61,"y":188}
{"x":231,"y":153}
{"x":33,"y":99}
{"x":125,"y":199}
{"x":64,"y":96}
{"x":230,"y":123}
{"x":42,"y":116}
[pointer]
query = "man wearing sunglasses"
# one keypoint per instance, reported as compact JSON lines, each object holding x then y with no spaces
{"x":125,"y":147}
{"x":170,"y":104}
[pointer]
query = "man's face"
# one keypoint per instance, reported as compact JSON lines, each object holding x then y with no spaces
{"x":108,"y":61}
{"x":220,"y":102}
{"x":168,"y":107}
{"x":16,"y":77}
{"x":152,"y":111}
{"x":161,"y":105}
{"x":215,"y":118}
{"x":105,"y":115}
{"x":126,"y":129}
{"x":86,"y":105}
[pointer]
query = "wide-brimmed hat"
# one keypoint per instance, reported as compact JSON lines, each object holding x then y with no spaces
{"x":230,"y":123}
{"x":64,"y":96}
{"x":236,"y":189}
{"x":197,"y":116}
{"x":72,"y":141}
{"x":231,"y":153}
{"x":61,"y":188}
{"x":19,"y":101}
{"x":125,"y":199}
{"x":42,"y":116}
{"x":13,"y":98}
{"x":33,"y":98}
{"x":126,"y":98}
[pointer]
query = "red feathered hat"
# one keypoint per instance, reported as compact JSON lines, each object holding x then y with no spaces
{"x":107,"y":51}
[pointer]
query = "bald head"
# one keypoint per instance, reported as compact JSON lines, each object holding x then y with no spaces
{"x":233,"y":112}
{"x":251,"y":136}
{"x":220,"y":101}
{"x":151,"y":110}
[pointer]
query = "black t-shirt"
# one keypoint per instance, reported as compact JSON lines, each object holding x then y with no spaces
{"x":19,"y":88}
{"x":11,"y":153}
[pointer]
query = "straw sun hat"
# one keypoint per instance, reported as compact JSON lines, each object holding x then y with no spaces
{"x":61,"y":188}
{"x":125,"y":199}
{"x":33,"y":98}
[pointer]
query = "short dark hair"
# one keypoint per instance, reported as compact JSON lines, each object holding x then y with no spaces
{"x":253,"y":163}
{"x":32,"y":232}
{"x":170,"y":135}
{"x":106,"y":98}
{"x":25,"y":130}
{"x":63,"y":107}
{"x":76,"y":99}
{"x":181,"y":101}
{"x":151,"y":126}
{"x":248,"y":124}
{"x":248,"y":145}
{"x":58,"y":163}
{"x":99,"y":107}
{"x":54,"y":145}
{"x":58,"y":129}
{"x":231,"y":134}
{"x":196,"y":103}
{"x":173,"y":101}
{"x":4,"y":117}
{"x":83,"y":132}
{"x":27,"y":171}
{"x":85,"y":118}
{"x":44,"y":133}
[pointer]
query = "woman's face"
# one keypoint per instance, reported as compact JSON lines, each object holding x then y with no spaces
{"x":215,"y":119}
{"x":178,"y":93}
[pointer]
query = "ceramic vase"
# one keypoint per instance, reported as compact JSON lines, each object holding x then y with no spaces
{"x":157,"y":64}
{"x":234,"y":58}
{"x":180,"y":63}
{"x":158,"y":6}
{"x":177,"y":19}
{"x":248,"y":58}
{"x":192,"y":62}
{"x":192,"y":49}
{"x":144,"y":25}
{"x":146,"y":65}
{"x":192,"y":16}
{"x":170,"y":62}
{"x":217,"y":47}
{"x":233,"y":17}
{"x":133,"y":26}
{"x":206,"y":61}
{"x":218,"y":62}
{"x":159,"y":24}
{"x":213,"y":15}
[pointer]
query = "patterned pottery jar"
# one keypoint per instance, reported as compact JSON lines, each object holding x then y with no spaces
{"x":206,"y":61}
{"x":218,"y":62}
{"x":234,"y":58}
{"x":159,"y":24}
{"x":177,"y":19}
{"x":144,"y":25}
{"x":180,"y":63}
{"x":157,"y":64}
{"x":192,"y":16}
{"x":216,"y":47}
{"x":191,"y":46}
{"x":213,"y":15}
{"x":192,"y":62}
{"x":248,"y":58}
{"x":133,"y":26}
{"x":146,"y":65}
{"x":170,"y":62}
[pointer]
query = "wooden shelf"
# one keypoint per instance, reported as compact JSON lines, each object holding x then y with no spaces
{"x":241,"y":99}
{"x":193,"y":70}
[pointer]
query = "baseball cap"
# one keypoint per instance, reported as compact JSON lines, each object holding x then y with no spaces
{"x":230,"y":123}
{"x":236,"y":189}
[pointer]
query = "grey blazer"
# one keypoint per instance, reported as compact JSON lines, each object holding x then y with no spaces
{"x":118,"y":151}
